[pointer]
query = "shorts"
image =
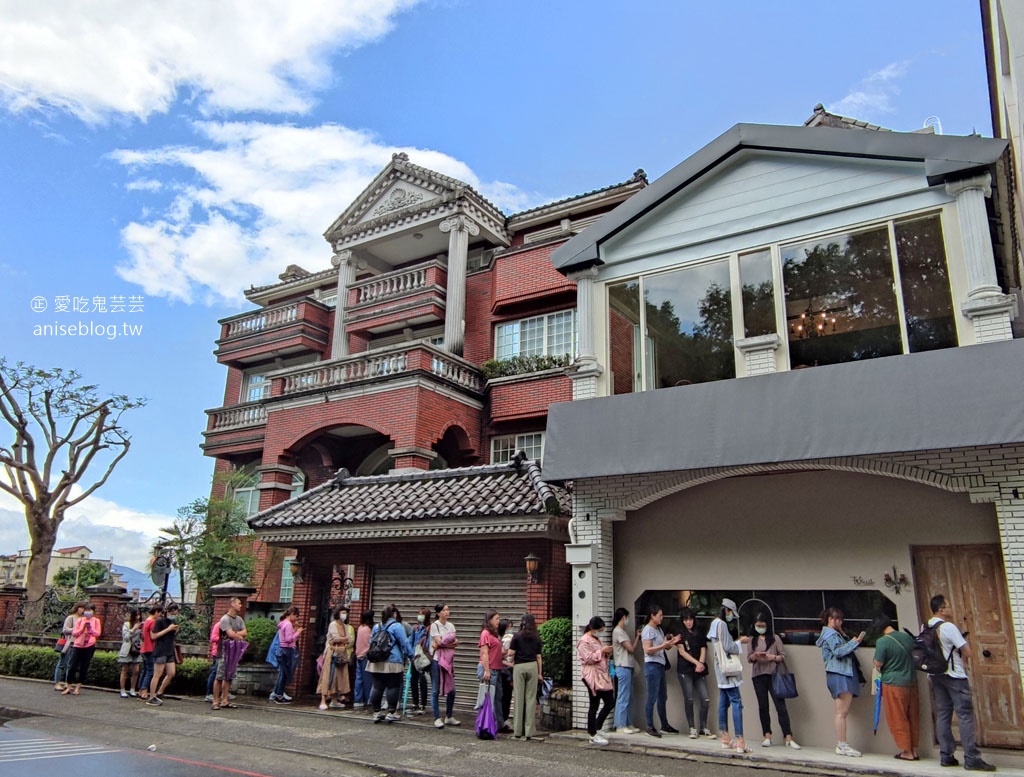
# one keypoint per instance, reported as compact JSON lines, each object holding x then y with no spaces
{"x":840,"y":683}
{"x":163,"y":659}
{"x":221,"y":671}
{"x":130,"y":659}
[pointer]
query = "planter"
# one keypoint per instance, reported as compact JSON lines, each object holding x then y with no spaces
{"x":556,"y":710}
{"x":254,"y":680}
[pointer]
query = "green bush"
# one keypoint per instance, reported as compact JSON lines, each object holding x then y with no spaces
{"x":556,"y":635}
{"x":261,"y":634}
{"x":520,"y":365}
{"x":104,"y":671}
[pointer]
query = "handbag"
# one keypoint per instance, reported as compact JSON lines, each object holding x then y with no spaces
{"x":420,"y":659}
{"x":728,"y":663}
{"x":784,"y":682}
{"x":179,"y":657}
{"x":62,"y":643}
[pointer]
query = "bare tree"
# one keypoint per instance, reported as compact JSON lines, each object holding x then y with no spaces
{"x":60,"y":427}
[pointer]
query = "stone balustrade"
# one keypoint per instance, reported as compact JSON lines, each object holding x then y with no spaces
{"x":237,"y":417}
{"x":268,"y":318}
{"x":392,"y":284}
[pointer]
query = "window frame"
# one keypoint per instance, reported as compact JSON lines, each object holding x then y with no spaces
{"x":515,"y":438}
{"x":546,"y":326}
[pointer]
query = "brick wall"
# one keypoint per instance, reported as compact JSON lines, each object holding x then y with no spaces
{"x":528,"y":396}
{"x":528,"y":276}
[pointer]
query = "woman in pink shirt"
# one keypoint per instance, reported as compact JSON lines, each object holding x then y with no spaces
{"x":85,"y":633}
{"x":492,"y":660}
{"x":364,"y":683}
{"x":287,"y":654}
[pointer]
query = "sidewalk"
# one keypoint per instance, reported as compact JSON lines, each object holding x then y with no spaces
{"x":414,"y":747}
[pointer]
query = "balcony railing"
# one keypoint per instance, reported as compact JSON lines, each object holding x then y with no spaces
{"x":395,"y":284}
{"x":386,"y":363}
{"x":237,"y":417}
{"x":267,"y":318}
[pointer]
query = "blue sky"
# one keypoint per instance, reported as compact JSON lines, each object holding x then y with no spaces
{"x":181,"y":152}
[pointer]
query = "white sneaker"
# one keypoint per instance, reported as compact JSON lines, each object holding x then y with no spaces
{"x":629,"y":730}
{"x":451,"y":722}
{"x":438,"y":723}
{"x":209,"y":697}
{"x":232,"y":697}
{"x":767,"y":742}
{"x":392,"y":717}
{"x":284,"y":696}
{"x":272,"y":697}
{"x":693,"y":733}
{"x":336,"y":705}
{"x":597,"y":739}
{"x":706,"y":733}
{"x":792,"y":743}
{"x":844,"y":749}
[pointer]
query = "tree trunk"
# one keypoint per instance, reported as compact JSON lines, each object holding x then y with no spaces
{"x":43,"y":540}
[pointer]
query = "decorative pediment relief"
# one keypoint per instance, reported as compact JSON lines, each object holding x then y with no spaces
{"x":399,"y":196}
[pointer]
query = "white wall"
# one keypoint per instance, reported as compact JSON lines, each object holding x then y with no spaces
{"x":804,"y":530}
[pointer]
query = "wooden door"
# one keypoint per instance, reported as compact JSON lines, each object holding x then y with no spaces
{"x":971,"y":577}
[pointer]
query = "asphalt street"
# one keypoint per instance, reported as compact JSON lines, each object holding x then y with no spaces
{"x":99,"y":733}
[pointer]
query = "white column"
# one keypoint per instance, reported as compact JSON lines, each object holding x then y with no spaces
{"x":989,"y":309}
{"x":346,"y":265}
{"x":585,"y":369}
{"x":459,"y":228}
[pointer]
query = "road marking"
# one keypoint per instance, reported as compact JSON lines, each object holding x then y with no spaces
{"x":208,"y":765}
{"x":43,"y":748}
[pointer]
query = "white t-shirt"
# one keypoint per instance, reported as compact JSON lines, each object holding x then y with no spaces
{"x":439,"y":630}
{"x":620,"y":654}
{"x":951,"y":640}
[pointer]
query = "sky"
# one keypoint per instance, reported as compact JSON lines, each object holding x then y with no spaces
{"x":158,"y":158}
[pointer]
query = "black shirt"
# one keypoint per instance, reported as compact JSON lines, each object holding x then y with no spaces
{"x":163,"y":646}
{"x":526,"y":646}
{"x":691,"y":642}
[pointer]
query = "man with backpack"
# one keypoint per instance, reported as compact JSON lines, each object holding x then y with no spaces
{"x":952,"y":692}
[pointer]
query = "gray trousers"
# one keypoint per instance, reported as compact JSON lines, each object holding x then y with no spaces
{"x":951,"y":695}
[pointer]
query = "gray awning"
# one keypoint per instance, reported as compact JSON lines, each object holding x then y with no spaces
{"x":952,"y":398}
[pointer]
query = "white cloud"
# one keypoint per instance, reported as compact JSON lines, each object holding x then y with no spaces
{"x":96,"y":60}
{"x":109,"y":530}
{"x":874,"y":94}
{"x":264,"y":196}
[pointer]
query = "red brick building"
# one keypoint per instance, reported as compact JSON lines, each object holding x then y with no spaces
{"x":434,"y":341}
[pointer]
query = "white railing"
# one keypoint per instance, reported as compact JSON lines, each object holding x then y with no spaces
{"x":380,"y":364}
{"x":263,"y":319}
{"x":392,"y":284}
{"x":238,"y":417}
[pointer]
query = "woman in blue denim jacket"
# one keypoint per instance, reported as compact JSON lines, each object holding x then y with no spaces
{"x":840,"y":675}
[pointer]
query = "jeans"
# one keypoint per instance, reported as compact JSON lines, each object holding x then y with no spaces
{"x":391,"y":682}
{"x":146,"y":675}
{"x":60,"y":672}
{"x":524,"y":690}
{"x":657,"y":693}
{"x":727,"y":697}
{"x":435,"y":686}
{"x":213,"y":676}
{"x":954,"y":695}
{"x":693,"y":685}
{"x":763,"y":689}
{"x":364,"y":683}
{"x":287,"y":658}
{"x":80,"y":660}
{"x":624,"y":680}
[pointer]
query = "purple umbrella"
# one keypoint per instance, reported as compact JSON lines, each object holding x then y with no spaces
{"x":232,"y":654}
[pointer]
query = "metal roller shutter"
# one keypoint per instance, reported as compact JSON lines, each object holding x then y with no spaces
{"x":468,"y":593}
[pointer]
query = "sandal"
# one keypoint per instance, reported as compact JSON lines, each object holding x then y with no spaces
{"x":215,"y":707}
{"x":229,"y":706}
{"x":66,"y":691}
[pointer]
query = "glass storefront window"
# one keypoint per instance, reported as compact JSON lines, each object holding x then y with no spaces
{"x":924,"y":281}
{"x":841,"y":299}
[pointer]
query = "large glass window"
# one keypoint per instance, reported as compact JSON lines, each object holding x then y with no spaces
{"x":924,"y":281}
{"x":550,"y":335}
{"x":257,"y":387}
{"x":758,"y":293}
{"x":504,"y":448}
{"x":623,"y":333}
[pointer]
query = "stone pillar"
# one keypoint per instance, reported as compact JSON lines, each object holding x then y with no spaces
{"x":585,"y":368}
{"x":590,"y":552}
{"x":459,"y":228}
{"x":759,"y":353}
{"x":223,"y":593}
{"x":346,"y":265}
{"x":412,"y":457}
{"x":1010,"y":518}
{"x":988,"y":308}
{"x":110,"y":603}
{"x":10,"y":599}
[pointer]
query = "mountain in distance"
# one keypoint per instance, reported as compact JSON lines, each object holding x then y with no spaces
{"x":133,"y":578}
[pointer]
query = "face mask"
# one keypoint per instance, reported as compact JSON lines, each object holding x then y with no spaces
{"x":87,"y":613}
{"x":342,"y":617}
{"x":421,"y":618}
{"x":761,"y":629}
{"x":729,"y":617}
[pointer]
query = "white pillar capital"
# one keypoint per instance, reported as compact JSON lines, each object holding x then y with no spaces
{"x":982,"y":183}
{"x":343,"y":256}
{"x":460,"y":223}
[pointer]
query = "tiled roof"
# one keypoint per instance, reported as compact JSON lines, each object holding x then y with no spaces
{"x":435,"y":499}
{"x":640,"y":176}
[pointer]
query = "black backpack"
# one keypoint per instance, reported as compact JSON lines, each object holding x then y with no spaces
{"x":380,"y":645}
{"x":927,"y":654}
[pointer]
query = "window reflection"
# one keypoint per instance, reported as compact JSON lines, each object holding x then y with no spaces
{"x":840,"y":299}
{"x":623,"y":330}
{"x":758,"y":294}
{"x":924,"y":281}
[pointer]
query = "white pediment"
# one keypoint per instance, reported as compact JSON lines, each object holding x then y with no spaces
{"x":397,"y":196}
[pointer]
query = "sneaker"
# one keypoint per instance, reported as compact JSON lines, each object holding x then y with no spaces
{"x":154,"y":702}
{"x":124,"y":694}
{"x":323,"y":707}
{"x":767,"y":742}
{"x":792,"y":743}
{"x":693,"y":733}
{"x":133,"y":694}
{"x":231,"y":697}
{"x":358,"y":705}
{"x":392,"y":717}
{"x":597,"y":739}
{"x":706,"y":733}
{"x":272,"y":697}
{"x":629,"y":730}
{"x":948,"y":761}
{"x":844,"y":749}
{"x":282,"y":700}
{"x":284,"y":696}
{"x":438,"y":723}
{"x":667,"y":729}
{"x":337,"y":705}
{"x":653,"y":732}
{"x":451,"y":722}
{"x":979,"y":766}
{"x":379,"y":716}
{"x":209,"y":697}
